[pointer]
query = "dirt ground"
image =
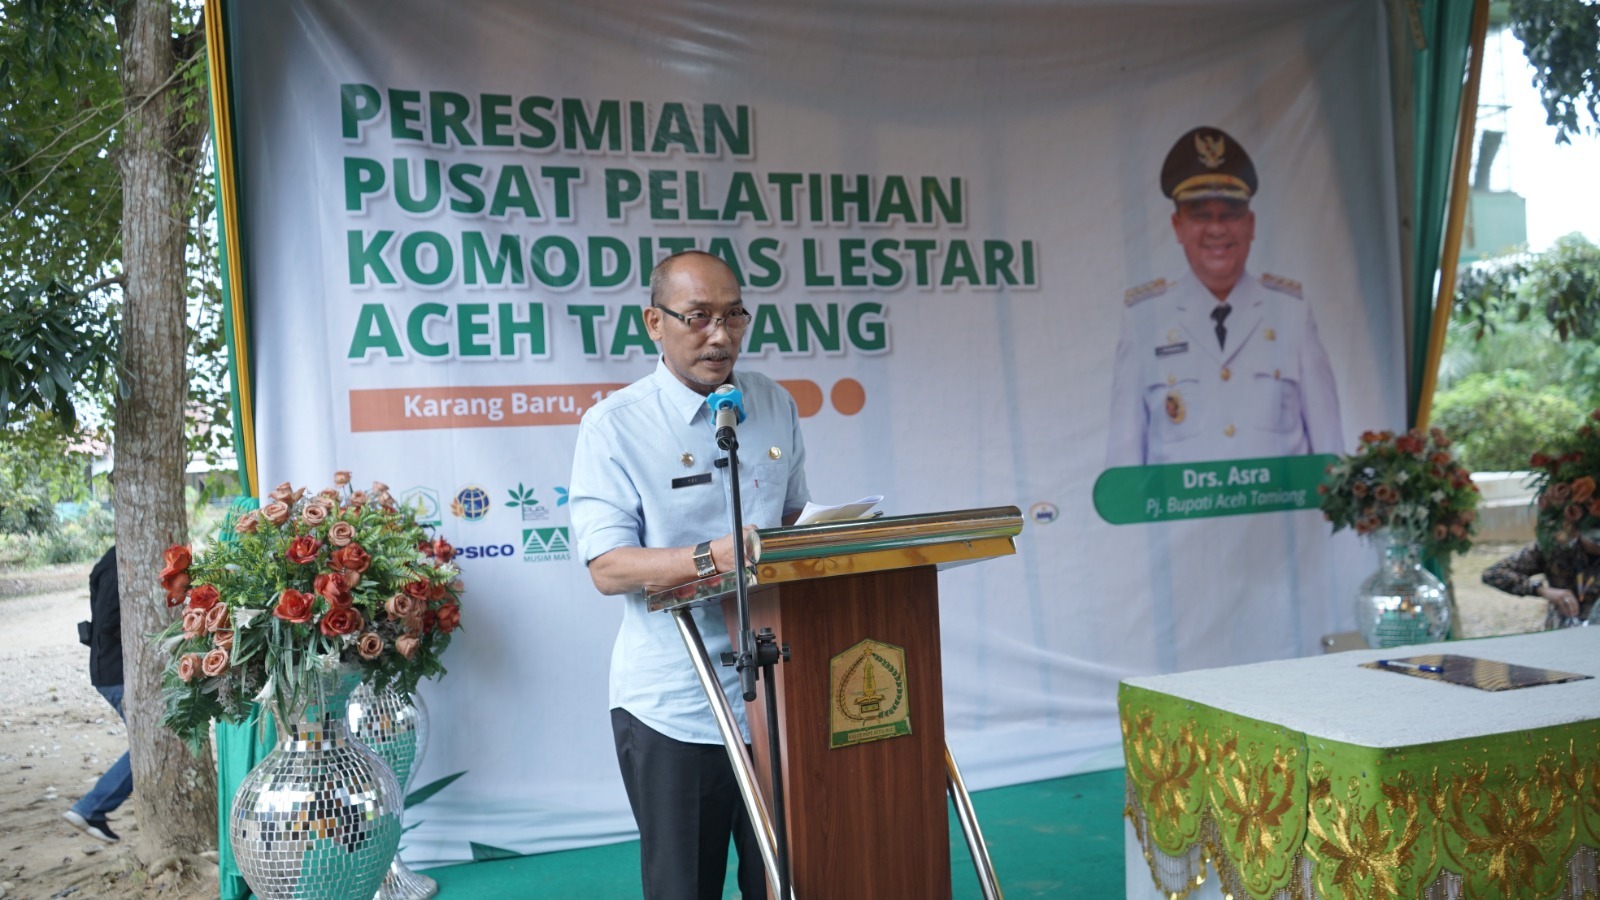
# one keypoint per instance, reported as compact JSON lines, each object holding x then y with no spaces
{"x":57,"y":735}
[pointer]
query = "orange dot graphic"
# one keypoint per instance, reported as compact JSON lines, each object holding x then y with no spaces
{"x":807,"y":396}
{"x":849,"y":396}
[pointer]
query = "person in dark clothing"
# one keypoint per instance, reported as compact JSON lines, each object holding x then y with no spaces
{"x":104,"y":637}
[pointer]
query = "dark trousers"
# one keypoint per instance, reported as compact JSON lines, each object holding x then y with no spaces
{"x":687,"y":805}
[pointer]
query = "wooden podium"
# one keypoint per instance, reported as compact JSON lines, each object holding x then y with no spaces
{"x":860,"y":699}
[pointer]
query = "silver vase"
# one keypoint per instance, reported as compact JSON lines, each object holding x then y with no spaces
{"x":395,"y":726}
{"x":319,"y":817}
{"x":1402,"y":603}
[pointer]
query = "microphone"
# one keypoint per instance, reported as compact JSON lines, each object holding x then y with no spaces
{"x":728,"y":404}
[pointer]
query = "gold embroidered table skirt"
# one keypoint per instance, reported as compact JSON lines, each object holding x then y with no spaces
{"x":1275,"y":811}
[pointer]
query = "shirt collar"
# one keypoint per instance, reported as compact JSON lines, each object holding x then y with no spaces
{"x":679,"y":396}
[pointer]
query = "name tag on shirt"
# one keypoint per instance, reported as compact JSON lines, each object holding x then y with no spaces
{"x":1170,"y":349}
{"x":692,"y":480}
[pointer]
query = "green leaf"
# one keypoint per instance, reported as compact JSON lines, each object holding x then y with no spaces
{"x":428,"y":790}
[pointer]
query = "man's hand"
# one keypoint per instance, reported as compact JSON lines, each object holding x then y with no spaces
{"x":1563,"y":601}
{"x":722,"y":549}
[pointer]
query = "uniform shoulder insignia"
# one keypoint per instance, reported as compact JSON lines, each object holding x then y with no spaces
{"x":1282,"y":285}
{"x":1145,"y":291}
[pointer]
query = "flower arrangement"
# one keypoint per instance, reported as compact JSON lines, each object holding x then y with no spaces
{"x":304,"y":585}
{"x":1565,"y":477}
{"x":1410,"y":484}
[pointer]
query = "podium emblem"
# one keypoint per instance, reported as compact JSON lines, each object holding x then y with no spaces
{"x":869,"y":701}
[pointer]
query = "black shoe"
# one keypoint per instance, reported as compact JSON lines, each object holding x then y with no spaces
{"x":99,"y":829}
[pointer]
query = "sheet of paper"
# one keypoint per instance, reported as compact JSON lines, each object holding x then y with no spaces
{"x":815,"y":513}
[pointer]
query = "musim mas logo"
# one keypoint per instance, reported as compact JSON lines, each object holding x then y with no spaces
{"x":471,"y":503}
{"x":426,"y":502}
{"x":546,"y":544}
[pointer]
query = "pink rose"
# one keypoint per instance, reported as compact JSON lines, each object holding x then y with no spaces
{"x":218,"y":618}
{"x":379,"y":487}
{"x":313,"y":514}
{"x":340,"y":534}
{"x":341,"y":477}
{"x":407,"y":645}
{"x":189,"y":666}
{"x":370,"y":646}
{"x":214,"y":663}
{"x":357,"y":500}
{"x":275,"y":512}
{"x":247,"y":523}
{"x":403,"y":606}
{"x":222,"y":640}
{"x":194,"y":623}
{"x":286,"y":494}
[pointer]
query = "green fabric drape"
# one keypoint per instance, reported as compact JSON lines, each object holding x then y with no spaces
{"x":1438,"y":75}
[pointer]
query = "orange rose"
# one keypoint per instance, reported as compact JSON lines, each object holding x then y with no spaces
{"x":449,"y":617}
{"x":1582,"y":489}
{"x":189,"y":666}
{"x":442,"y":550}
{"x":222,"y":640}
{"x":331,"y":587}
{"x":275,"y":512}
{"x":214,"y":663}
{"x":203,"y":597}
{"x":436,"y":592}
{"x":293,"y":606}
{"x":341,"y":621}
{"x":177,"y":557}
{"x":340,"y":534}
{"x":218,"y":618}
{"x":418,"y":589}
{"x":351,"y":557}
{"x":176,"y":583}
{"x":1574,"y":512}
{"x":303,"y":549}
{"x":406,"y":645}
{"x":194,"y":623}
{"x":370,"y":646}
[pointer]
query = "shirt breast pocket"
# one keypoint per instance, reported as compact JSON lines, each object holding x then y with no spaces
{"x":771,"y":483}
{"x":1278,"y":403}
{"x":1170,"y":406}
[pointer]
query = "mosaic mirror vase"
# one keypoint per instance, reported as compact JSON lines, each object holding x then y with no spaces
{"x":1402,"y":603}
{"x":319,"y":817}
{"x":394,"y":726}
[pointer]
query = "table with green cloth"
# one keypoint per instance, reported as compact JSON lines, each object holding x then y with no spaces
{"x":1320,"y":778}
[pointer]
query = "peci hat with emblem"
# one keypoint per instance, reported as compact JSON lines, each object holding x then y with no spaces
{"x":1208,"y":164}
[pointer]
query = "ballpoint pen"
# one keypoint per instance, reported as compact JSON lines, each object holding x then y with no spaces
{"x":1410,"y":666}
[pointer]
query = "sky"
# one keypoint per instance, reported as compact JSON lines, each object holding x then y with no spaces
{"x":1561,"y":182}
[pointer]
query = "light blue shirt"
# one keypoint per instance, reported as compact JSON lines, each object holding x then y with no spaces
{"x":631,"y":447}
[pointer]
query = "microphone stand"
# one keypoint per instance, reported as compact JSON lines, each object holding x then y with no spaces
{"x":757,"y":651}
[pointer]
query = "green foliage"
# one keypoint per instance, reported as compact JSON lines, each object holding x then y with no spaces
{"x":62,"y":130}
{"x":1562,"y":41}
{"x":1500,"y":416}
{"x":25,"y":506}
{"x":1410,"y":484}
{"x":1561,"y":285}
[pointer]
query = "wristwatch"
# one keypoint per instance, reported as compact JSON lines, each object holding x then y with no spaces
{"x":704,"y":565}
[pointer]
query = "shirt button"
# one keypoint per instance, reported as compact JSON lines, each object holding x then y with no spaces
{"x":1226,"y":374}
{"x":1228,"y":431}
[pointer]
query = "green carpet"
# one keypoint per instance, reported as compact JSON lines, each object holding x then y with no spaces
{"x":1057,"y":838}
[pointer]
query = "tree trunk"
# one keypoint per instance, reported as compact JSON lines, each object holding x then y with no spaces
{"x":176,"y":790}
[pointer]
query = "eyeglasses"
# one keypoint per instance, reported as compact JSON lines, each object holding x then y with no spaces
{"x":700,"y":323}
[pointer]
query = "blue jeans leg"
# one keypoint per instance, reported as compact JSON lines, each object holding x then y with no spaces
{"x":117,"y":783}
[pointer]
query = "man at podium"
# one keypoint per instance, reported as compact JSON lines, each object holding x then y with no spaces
{"x":648,"y":503}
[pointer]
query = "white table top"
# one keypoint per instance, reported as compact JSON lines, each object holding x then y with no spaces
{"x":1332,"y":697}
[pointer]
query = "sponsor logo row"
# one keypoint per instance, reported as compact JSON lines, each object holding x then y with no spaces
{"x":473,"y":503}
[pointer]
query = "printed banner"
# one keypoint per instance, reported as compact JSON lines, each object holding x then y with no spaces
{"x":960,"y":233}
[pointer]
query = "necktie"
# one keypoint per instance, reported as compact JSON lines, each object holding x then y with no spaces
{"x":1219,"y":314}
